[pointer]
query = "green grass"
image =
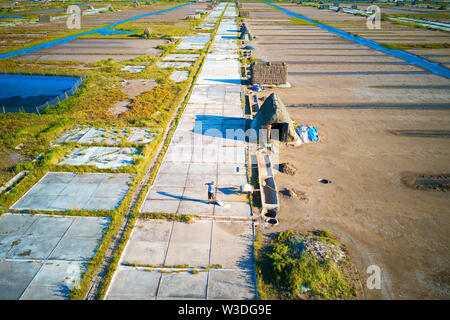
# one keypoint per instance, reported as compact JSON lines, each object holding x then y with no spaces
{"x":285,"y":271}
{"x":405,"y":46}
{"x":297,"y":21}
{"x":168,"y":216}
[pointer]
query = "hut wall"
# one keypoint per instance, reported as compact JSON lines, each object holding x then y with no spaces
{"x":269,"y":73}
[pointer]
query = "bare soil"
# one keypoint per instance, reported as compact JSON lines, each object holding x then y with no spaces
{"x":402,"y":230}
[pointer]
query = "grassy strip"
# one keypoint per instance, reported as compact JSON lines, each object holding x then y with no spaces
{"x":405,"y":46}
{"x":178,"y":266}
{"x":168,"y":216}
{"x":285,"y":270}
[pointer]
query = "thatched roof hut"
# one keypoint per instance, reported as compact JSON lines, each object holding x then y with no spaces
{"x":147,"y":32}
{"x":268,"y":73}
{"x":273,"y":115}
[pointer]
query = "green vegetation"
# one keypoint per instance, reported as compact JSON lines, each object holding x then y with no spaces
{"x":289,"y":267}
{"x":405,"y":46}
{"x":168,"y":216}
{"x":296,"y":21}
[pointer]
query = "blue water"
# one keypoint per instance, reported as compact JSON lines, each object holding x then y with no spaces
{"x":11,"y":16}
{"x":412,"y":59}
{"x":68,"y":39}
{"x":30,"y":91}
{"x":104,"y":32}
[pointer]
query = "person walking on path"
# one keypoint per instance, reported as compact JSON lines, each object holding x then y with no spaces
{"x":211,"y":191}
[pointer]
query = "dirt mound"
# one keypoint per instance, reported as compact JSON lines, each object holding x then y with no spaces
{"x":288,"y":168}
{"x":294,"y":194}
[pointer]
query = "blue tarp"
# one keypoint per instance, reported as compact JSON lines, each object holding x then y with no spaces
{"x":313,"y":134}
{"x":308,"y":134}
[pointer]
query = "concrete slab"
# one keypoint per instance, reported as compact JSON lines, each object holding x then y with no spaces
{"x":170,"y":180}
{"x":176,"y":65}
{"x":230,"y":284}
{"x":190,"y":244}
{"x":165,"y":193}
{"x":16,"y":275}
{"x":231,"y":180}
{"x":183,"y":285}
{"x":38,"y":247}
{"x":160,"y":206}
{"x":148,"y":242}
{"x":232,"y":245}
{"x":143,"y":284}
{"x":81,"y":191}
{"x":89,"y":135}
{"x":196,"y":206}
{"x":234,"y":209}
{"x":174,"y":167}
{"x":181,"y":57}
{"x":133,"y":69}
{"x":100,"y":157}
{"x":45,"y":253}
{"x":179,"y":76}
{"x":231,"y":194}
{"x":53,"y":281}
{"x":75,"y":248}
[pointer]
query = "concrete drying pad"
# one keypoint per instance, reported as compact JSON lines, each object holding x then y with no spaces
{"x":193,"y":43}
{"x":43,"y":256}
{"x":133,"y":69}
{"x":176,"y":65}
{"x":89,"y":135}
{"x":181,"y":57}
{"x":131,"y":283}
{"x":174,"y":245}
{"x":101,"y":157}
{"x":202,"y":141}
{"x":198,"y":244}
{"x":179,"y":76}
{"x":60,"y":191}
{"x":186,"y":193}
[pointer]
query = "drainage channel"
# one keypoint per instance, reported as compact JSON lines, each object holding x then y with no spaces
{"x":68,"y":39}
{"x":415,"y":60}
{"x":374,"y":106}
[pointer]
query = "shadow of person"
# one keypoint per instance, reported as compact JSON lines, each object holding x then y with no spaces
{"x":181,"y":198}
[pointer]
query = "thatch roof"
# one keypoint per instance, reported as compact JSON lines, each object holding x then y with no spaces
{"x":274,"y":111}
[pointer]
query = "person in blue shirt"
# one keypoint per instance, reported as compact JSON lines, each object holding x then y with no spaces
{"x":211,"y":191}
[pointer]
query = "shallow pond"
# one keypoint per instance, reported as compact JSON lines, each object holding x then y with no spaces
{"x":27,"y":92}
